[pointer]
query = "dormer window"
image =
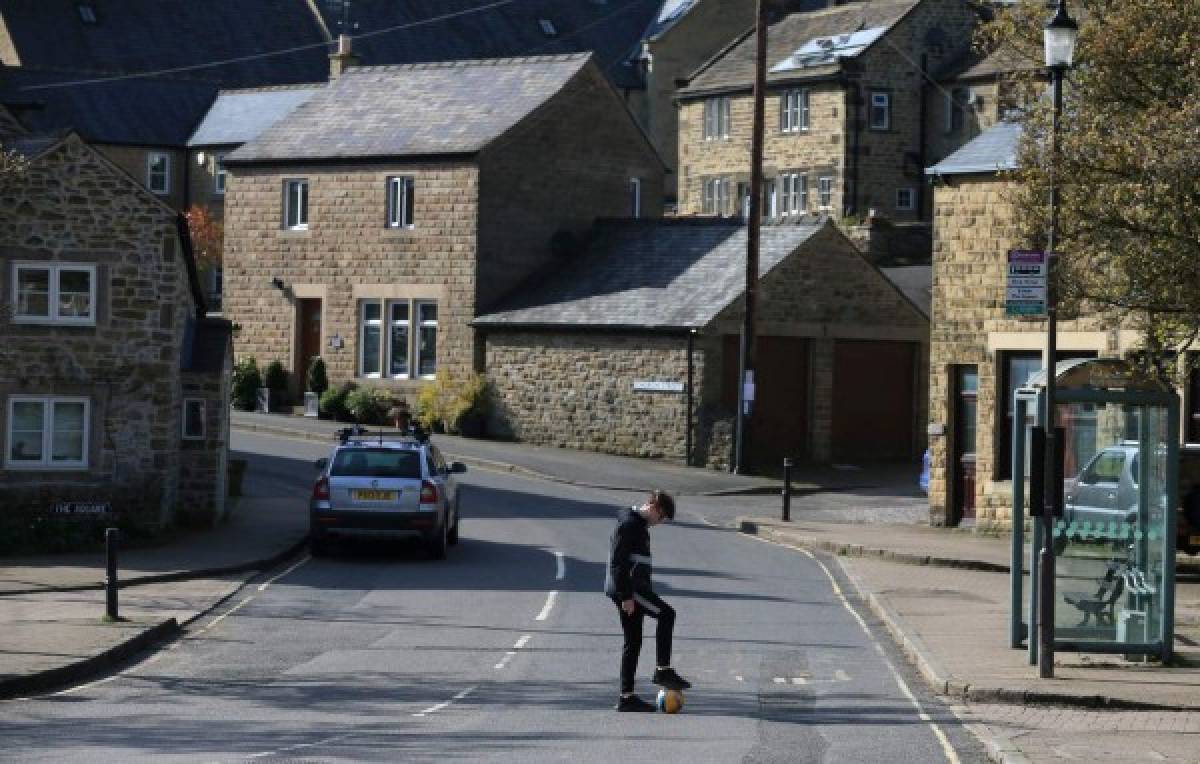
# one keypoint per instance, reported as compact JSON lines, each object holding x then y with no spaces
{"x":87,"y":13}
{"x":548,"y":27}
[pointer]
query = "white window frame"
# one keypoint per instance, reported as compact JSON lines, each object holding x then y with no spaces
{"x":957,"y":100}
{"x":151,"y":159}
{"x":220,"y":174}
{"x":825,"y":192}
{"x":635,"y":191}
{"x":203,"y":419}
{"x":547,"y":27}
{"x":912,"y":199}
{"x":401,"y":201}
{"x":54,"y":271}
{"x":419,"y":323}
{"x":770,"y":199}
{"x":87,"y":13}
{"x":387,"y":349}
{"x":716,"y":196}
{"x":790,"y":198}
{"x":48,"y":409}
{"x":793,"y":111}
{"x":882,"y":100}
{"x":294,"y":187}
{"x":716,"y":118}
{"x":363,"y":324}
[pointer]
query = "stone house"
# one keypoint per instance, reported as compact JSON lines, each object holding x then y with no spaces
{"x":845,"y":111}
{"x":116,"y":385}
{"x":632,"y":348}
{"x":377,"y":219}
{"x":978,"y":355}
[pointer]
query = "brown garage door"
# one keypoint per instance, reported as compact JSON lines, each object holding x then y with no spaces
{"x":779,"y":421}
{"x":873,"y":396}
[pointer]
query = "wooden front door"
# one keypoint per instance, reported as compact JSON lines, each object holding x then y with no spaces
{"x":779,"y":418}
{"x":962,"y":462}
{"x":310,"y":337}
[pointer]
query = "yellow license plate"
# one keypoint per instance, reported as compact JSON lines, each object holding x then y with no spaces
{"x":374,"y":495}
{"x":1194,"y":540}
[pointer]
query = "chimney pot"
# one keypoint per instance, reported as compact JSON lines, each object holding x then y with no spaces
{"x":344,"y":58}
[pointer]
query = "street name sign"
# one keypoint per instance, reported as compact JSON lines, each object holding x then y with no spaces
{"x":657,"y":386}
{"x":1025,"y":289}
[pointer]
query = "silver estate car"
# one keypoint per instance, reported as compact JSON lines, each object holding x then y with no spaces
{"x":385,"y":485}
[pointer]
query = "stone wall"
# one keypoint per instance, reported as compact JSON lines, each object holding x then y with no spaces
{"x":348,"y":254}
{"x":73,"y":206}
{"x":204,"y":461}
{"x":838,"y":142}
{"x":707,"y":28}
{"x":974,"y":228}
{"x":566,"y":165}
{"x":132,"y":159}
{"x":574,"y":389}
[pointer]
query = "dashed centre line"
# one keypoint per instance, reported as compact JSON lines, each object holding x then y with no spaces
{"x":439,"y":706}
{"x":560,"y":566}
{"x":548,"y":606}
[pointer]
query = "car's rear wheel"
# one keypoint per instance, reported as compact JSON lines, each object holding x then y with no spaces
{"x":436,"y":544}
{"x":452,"y":537}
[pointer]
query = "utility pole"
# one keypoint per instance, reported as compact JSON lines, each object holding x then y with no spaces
{"x":746,"y":361}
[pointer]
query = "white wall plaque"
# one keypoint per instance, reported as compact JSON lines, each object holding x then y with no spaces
{"x":655,"y":386}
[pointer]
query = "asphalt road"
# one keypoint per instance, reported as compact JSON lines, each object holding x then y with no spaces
{"x":506,"y":651}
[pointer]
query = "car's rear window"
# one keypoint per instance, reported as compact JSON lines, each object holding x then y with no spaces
{"x":376,"y":462}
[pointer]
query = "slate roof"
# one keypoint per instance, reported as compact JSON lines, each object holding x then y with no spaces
{"x":979,"y":65}
{"x":33,"y":145}
{"x":414,"y":110}
{"x":734,"y":68}
{"x":238,"y":116}
{"x":150,"y":35}
{"x":662,"y":274}
{"x":993,"y":150}
{"x":137,"y":111}
{"x":671,"y":12}
{"x":915,"y":282}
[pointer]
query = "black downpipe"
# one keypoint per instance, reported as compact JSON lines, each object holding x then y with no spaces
{"x":850,"y":202}
{"x":923,"y":115}
{"x":687,"y":448}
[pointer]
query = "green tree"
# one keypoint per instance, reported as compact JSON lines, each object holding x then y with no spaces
{"x":1129,"y":168}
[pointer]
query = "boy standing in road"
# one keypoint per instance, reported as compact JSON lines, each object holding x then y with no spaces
{"x":627,"y":583}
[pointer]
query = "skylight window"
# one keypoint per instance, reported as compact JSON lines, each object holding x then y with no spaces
{"x":548,"y":27}
{"x":87,"y":13}
{"x":821,"y":51}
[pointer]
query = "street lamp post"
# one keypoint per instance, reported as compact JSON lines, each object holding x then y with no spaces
{"x":1059,"y":38}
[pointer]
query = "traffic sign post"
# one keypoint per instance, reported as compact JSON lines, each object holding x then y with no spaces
{"x":1025,"y":289}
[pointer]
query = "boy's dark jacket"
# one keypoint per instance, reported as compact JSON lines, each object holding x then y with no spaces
{"x":629,"y":562}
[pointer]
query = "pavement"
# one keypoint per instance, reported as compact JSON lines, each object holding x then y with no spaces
{"x":943,"y":594}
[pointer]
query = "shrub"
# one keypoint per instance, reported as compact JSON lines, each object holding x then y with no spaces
{"x":333,"y":402}
{"x":317,"y":381}
{"x":453,"y":403}
{"x":368,"y":405}
{"x":276,"y":378}
{"x":246,"y":381}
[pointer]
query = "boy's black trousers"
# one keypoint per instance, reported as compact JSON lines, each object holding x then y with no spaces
{"x":652,"y":605}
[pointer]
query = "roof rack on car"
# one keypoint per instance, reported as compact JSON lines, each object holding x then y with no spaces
{"x":359,"y":434}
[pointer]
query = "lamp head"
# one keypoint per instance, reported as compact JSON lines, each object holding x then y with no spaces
{"x":1059,"y":38}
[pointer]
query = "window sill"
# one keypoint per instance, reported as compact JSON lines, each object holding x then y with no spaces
{"x":79,"y":323}
{"x":56,"y":468}
{"x":294,"y":231}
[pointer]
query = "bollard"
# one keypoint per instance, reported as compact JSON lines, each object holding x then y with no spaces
{"x":110,"y":583}
{"x":787,"y":490}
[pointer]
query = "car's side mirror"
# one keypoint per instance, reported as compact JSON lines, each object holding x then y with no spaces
{"x":458,"y":467}
{"x":321,"y":464}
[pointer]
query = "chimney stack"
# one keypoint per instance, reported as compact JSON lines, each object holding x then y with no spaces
{"x":344,"y":58}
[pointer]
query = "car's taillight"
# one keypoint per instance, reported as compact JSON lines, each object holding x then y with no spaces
{"x":321,"y":489}
{"x":429,"y":492}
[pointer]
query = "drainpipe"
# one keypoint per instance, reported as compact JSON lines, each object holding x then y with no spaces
{"x":850,"y":202}
{"x":922,"y":117}
{"x":691,"y":348}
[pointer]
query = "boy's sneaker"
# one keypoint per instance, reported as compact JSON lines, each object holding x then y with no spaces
{"x":635,"y":704}
{"x":669,"y":679}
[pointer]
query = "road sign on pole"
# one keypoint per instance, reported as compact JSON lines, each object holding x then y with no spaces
{"x":1025,"y":289}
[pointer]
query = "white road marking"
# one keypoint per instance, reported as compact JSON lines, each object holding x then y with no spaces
{"x":799,"y":680}
{"x":263,"y":586}
{"x":439,"y":706}
{"x":561,"y":565}
{"x":740,"y":679}
{"x":947,"y":749}
{"x":547,"y":608}
{"x":841,"y":676}
{"x":508,"y":656}
{"x":524,"y":640}
{"x":780,"y":680}
{"x":298,"y":746}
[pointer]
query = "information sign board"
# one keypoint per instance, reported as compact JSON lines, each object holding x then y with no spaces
{"x":1025,"y":289}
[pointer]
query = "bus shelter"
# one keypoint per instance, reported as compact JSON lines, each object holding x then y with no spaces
{"x":1115,"y":540}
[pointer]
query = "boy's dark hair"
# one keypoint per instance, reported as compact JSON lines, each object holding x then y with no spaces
{"x":663,"y":501}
